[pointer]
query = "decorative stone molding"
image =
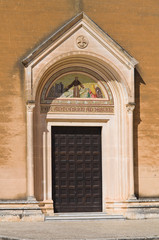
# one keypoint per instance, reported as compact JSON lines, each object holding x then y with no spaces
{"x":65,"y":108}
{"x":30,"y":106}
{"x":20,"y":210}
{"x":30,"y":157}
{"x":130,"y":107}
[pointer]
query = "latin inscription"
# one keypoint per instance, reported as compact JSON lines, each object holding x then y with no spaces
{"x":74,"y":109}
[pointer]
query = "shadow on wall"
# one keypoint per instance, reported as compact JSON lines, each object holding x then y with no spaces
{"x":137,"y":120}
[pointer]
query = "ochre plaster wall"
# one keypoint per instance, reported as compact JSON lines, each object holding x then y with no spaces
{"x":25,"y":25}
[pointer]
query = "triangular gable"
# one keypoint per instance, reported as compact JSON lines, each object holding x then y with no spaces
{"x":83,"y":19}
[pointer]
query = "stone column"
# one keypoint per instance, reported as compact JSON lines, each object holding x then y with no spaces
{"x":30,"y":160}
{"x":130,"y":108}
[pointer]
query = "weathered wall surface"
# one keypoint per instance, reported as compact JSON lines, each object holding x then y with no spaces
{"x":26,"y":24}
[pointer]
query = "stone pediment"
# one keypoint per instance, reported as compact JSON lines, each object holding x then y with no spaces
{"x":82,"y":21}
{"x":79,"y":37}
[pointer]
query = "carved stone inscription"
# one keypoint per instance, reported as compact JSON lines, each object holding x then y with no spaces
{"x":78,"y":109}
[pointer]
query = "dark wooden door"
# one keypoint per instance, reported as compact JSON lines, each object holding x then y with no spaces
{"x":76,"y":164}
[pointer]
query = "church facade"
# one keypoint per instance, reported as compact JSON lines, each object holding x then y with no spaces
{"x":79,"y":119}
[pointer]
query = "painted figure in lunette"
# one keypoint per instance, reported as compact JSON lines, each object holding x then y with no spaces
{"x":76,"y":90}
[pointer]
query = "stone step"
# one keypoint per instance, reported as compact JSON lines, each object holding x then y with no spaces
{"x":82,"y":216}
{"x":80,"y":213}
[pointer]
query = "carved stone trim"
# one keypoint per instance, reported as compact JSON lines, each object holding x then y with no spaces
{"x":30,"y":106}
{"x":130,"y":107}
{"x":77,"y":109}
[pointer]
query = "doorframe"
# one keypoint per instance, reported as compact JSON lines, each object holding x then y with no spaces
{"x":73,"y":120}
{"x":116,"y":67}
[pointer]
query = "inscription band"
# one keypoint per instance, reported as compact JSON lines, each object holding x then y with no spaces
{"x":78,"y":109}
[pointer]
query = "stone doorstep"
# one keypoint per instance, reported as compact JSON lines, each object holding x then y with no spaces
{"x":37,"y":211}
{"x":83,"y":216}
{"x":114,"y":238}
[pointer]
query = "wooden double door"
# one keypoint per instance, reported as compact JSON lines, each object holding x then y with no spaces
{"x":76,"y":169}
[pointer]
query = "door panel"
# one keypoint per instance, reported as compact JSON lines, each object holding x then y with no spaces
{"x":76,"y":163}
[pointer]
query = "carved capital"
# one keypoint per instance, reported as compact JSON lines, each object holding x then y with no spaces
{"x":30,"y":106}
{"x":130,"y":107}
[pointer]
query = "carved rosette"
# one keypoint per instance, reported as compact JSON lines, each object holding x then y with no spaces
{"x":82,"y":41}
